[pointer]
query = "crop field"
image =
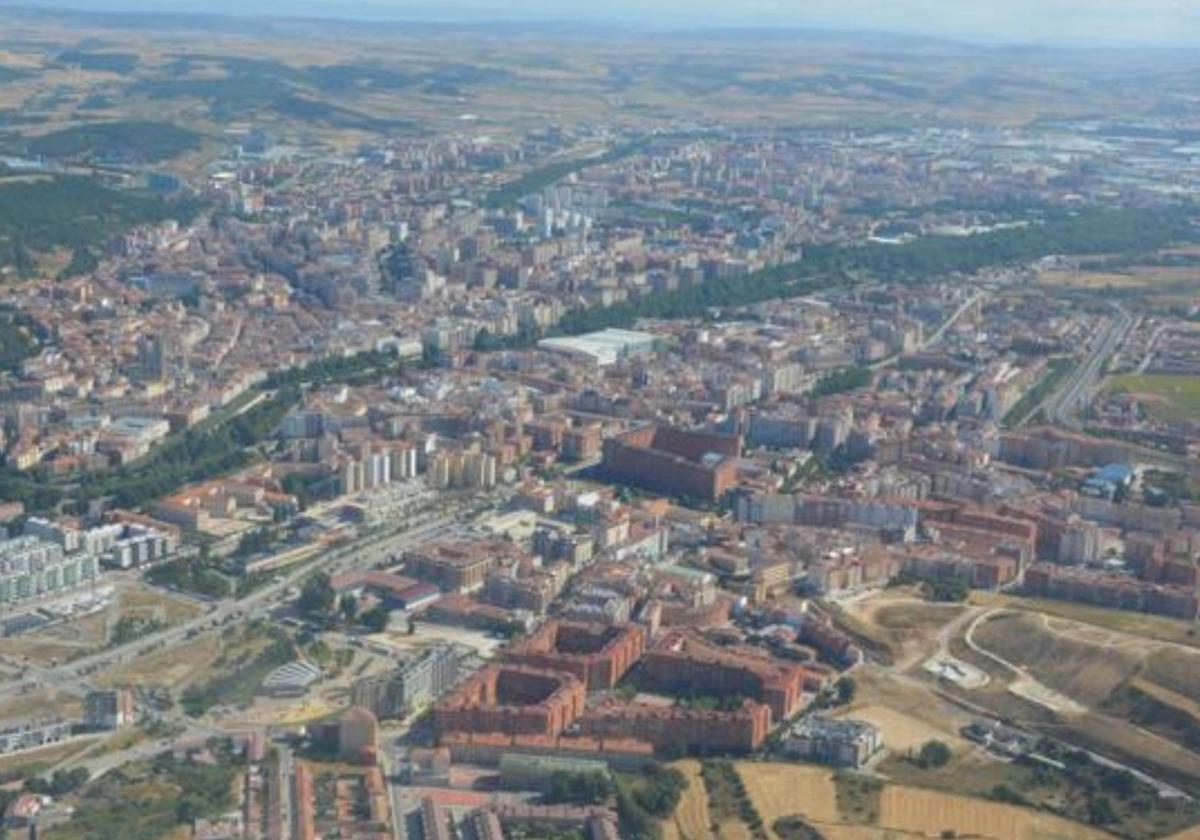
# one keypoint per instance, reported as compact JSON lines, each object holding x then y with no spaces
{"x":1165,"y":397}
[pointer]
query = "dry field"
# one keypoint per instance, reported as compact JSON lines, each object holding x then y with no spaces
{"x":73,"y":639}
{"x":734,"y":830}
{"x":901,"y":732}
{"x":786,"y":790}
{"x":41,"y":702}
{"x":1084,"y":671}
{"x":906,"y":705}
{"x":927,"y":813}
{"x":691,"y":820}
{"x":172,"y":668}
{"x":1115,"y":621}
{"x":1137,"y":277}
{"x":899,"y":622}
{"x":47,"y":756}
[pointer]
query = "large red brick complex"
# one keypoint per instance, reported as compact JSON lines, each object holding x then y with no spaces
{"x":741,"y":730}
{"x":598,"y":654}
{"x":537,"y":696}
{"x":673,"y":461}
{"x":683,"y":662}
{"x":513,"y":700}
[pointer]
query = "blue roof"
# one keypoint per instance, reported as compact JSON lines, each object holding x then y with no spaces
{"x":1116,"y":473}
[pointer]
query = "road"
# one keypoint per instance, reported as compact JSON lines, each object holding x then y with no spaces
{"x":71,"y":676}
{"x":936,"y":336}
{"x":933,"y":338}
{"x":287,"y":798}
{"x":1076,"y":390}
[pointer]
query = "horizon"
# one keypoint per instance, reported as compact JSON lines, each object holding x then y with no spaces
{"x":1051,"y":23}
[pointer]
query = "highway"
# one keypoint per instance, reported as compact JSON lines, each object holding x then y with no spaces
{"x":1073,"y":393}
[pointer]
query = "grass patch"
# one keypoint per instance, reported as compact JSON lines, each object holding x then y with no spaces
{"x":1165,"y":397}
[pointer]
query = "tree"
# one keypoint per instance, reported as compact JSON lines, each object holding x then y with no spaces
{"x":375,"y":620}
{"x":933,"y":754}
{"x":585,"y":788}
{"x":1100,"y":811}
{"x":317,"y":597}
{"x":846,"y":689}
{"x":348,"y":607}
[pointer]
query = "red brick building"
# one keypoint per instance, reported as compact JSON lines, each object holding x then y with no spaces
{"x":674,"y":462}
{"x":683,"y":663}
{"x":598,"y":654}
{"x":741,"y":730}
{"x":513,"y":700}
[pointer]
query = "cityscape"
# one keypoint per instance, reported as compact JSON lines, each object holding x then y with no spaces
{"x":552,"y":431}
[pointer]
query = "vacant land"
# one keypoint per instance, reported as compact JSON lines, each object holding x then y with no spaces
{"x":175,"y":668}
{"x":1085,"y":672}
{"x":1128,"y":697}
{"x":1120,"y":621}
{"x":897,"y":623}
{"x":1165,"y":397}
{"x":901,"y":732}
{"x":134,"y":609}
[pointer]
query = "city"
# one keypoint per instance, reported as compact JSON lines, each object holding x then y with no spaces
{"x":436,"y":432}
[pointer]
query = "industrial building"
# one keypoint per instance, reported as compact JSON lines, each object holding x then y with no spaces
{"x":674,"y":462}
{"x":603,"y":348}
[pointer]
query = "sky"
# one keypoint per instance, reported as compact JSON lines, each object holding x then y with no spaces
{"x":1076,"y":22}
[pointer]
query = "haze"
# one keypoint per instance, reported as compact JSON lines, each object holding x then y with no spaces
{"x":1074,"y":22}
